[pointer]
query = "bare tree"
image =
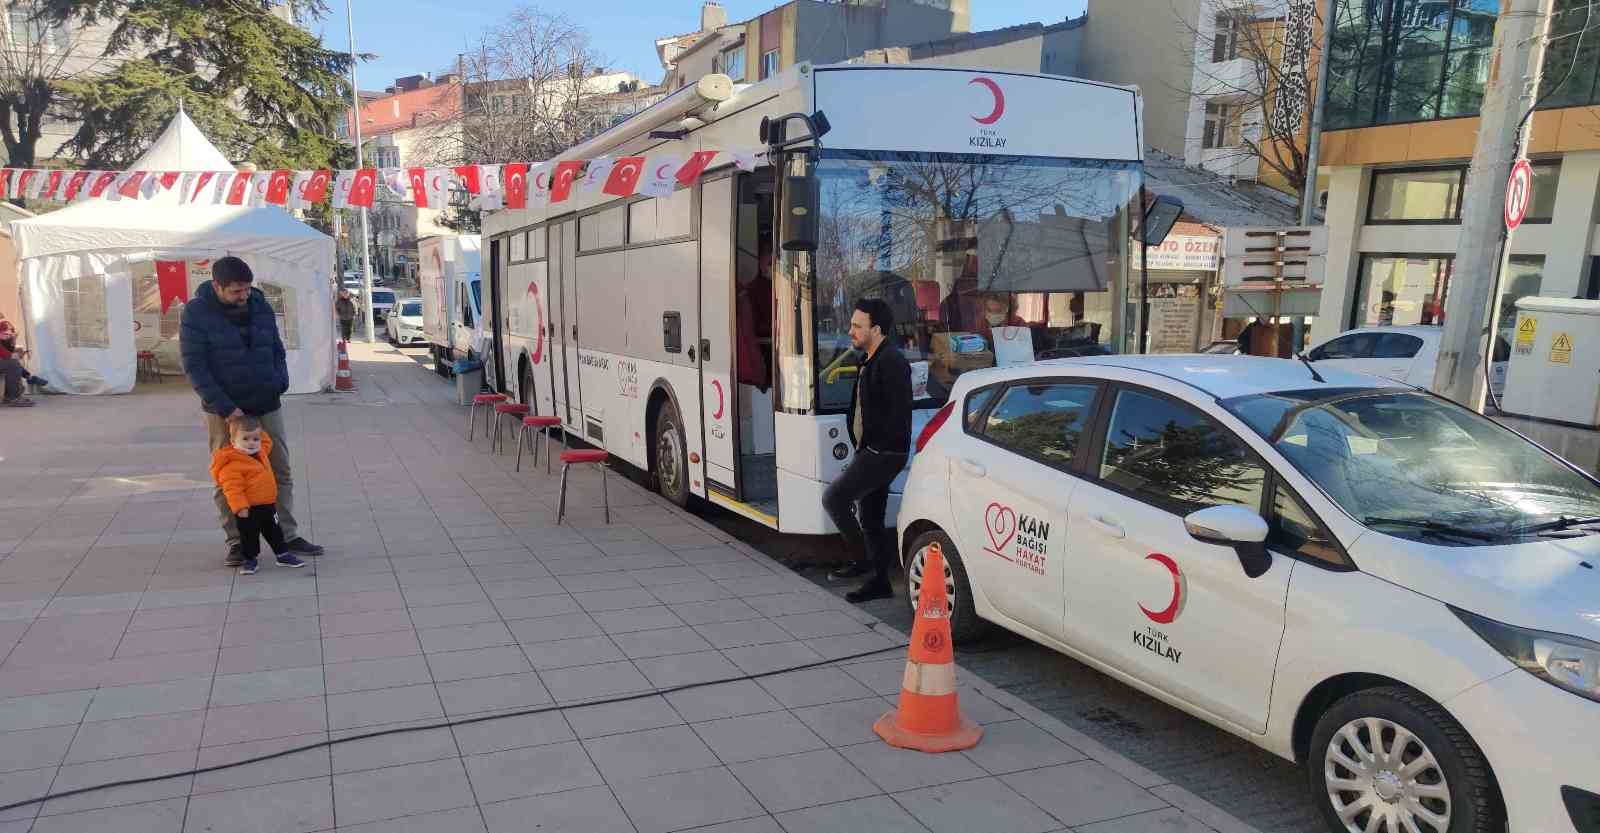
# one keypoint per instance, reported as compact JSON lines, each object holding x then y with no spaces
{"x":35,"y":58}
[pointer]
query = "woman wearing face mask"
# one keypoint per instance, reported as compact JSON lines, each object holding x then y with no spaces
{"x":997,"y":313}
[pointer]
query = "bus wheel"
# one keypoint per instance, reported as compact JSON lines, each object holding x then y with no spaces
{"x":672,"y":464}
{"x":525,"y":386}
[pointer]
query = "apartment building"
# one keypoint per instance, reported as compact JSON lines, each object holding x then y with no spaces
{"x":402,"y":129}
{"x":1408,"y":80}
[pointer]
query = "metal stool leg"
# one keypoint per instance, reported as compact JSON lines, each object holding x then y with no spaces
{"x":494,"y":445}
{"x":561,"y":505}
{"x":521,"y":435}
{"x":605,"y":495}
{"x":472,"y":421}
{"x":547,"y":451}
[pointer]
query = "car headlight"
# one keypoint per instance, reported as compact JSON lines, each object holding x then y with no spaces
{"x":1563,"y":661}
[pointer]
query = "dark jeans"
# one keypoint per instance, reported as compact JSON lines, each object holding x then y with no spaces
{"x":345,"y":325}
{"x":858,"y":500}
{"x":14,"y":374}
{"x":262,"y":522}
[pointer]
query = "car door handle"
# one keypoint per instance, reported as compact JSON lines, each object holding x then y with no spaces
{"x":974,"y":468}
{"x":1108,"y":526}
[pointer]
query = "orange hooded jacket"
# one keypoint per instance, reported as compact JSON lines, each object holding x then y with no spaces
{"x":246,"y":481}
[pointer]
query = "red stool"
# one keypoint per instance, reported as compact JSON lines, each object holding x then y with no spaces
{"x":472,"y":415}
{"x":147,"y":364}
{"x":544,"y":424}
{"x":568,"y":458}
{"x":501,"y":411}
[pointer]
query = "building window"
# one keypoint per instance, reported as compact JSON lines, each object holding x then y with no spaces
{"x":281,"y":299}
{"x":769,"y":64}
{"x":1401,"y":289}
{"x":1225,"y":42}
{"x":1222,"y":125}
{"x":1542,"y":202}
{"x":1426,"y":196}
{"x":733,"y":63}
{"x":28,"y":32}
{"x":1564,"y":52}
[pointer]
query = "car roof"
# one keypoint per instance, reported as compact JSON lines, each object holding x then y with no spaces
{"x":1426,"y":332}
{"x":1223,"y":377}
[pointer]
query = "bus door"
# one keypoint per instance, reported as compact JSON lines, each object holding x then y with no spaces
{"x":719,"y":400}
{"x":497,"y":294}
{"x":563,"y":260}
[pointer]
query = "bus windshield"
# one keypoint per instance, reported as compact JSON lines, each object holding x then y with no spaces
{"x":984,"y":260}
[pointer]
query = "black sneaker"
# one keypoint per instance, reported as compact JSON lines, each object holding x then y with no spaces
{"x":874,"y":589}
{"x":235,"y":556}
{"x":288,"y":559}
{"x":300,"y":546}
{"x":247,"y":567}
{"x":855,"y":569}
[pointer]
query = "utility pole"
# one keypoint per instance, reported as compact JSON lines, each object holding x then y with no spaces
{"x":355,"y":119}
{"x":1308,"y":195}
{"x":1509,"y":93}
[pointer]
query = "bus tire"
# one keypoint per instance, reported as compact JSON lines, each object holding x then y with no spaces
{"x":525,"y":385}
{"x":671,"y":456}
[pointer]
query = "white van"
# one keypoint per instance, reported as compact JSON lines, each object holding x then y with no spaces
{"x":452,"y":305}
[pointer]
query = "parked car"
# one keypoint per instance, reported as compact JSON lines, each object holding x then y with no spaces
{"x":1405,"y":354}
{"x":382,"y":301}
{"x":405,"y":323}
{"x":1396,"y":592}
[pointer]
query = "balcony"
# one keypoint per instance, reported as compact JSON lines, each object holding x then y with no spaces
{"x":1238,"y":77}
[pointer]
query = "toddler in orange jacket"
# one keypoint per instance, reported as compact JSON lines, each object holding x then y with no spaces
{"x":245,"y":475}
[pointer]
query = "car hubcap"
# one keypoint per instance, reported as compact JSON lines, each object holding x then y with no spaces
{"x":915,"y":581}
{"x":1383,"y":779}
{"x":667,"y":459}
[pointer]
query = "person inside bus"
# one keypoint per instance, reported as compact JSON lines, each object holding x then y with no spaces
{"x":754,"y":311}
{"x":997,"y":312}
{"x":880,"y":427}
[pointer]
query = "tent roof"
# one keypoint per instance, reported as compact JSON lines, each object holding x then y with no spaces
{"x":182,"y":147}
{"x":101,"y":226}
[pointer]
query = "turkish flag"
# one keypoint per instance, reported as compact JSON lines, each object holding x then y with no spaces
{"x":316,"y":189}
{"x":697,"y":164}
{"x":130,"y":186}
{"x":469,"y":177}
{"x":25,"y":180}
{"x":624,"y":176}
{"x":150,"y":185}
{"x":418,"y":177}
{"x":172,"y":278}
{"x":561,"y":183}
{"x":278,"y":187}
{"x":219,"y":188}
{"x":201,"y":183}
{"x":102,"y":183}
{"x":363,"y":187}
{"x":74,"y":186}
{"x":341,"y":189}
{"x":169,"y":179}
{"x":516,"y":178}
{"x":5,"y":181}
{"x":52,"y":188}
{"x":240,"y":189}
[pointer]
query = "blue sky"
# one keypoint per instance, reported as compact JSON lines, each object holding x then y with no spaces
{"x":415,"y":36}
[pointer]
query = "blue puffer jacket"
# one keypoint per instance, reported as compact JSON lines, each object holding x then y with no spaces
{"x":227,"y":369}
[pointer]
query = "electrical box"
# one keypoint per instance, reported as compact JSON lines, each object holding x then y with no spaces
{"x":1555,"y":362}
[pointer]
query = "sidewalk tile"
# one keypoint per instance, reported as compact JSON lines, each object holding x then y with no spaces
{"x":502,"y":733}
{"x":366,"y":622}
{"x":291,"y":807}
{"x":813,"y":687}
{"x":270,"y":656}
{"x":266,"y":686}
{"x":763,"y":659}
{"x":904,"y":769}
{"x":155,"y":817}
{"x":137,"y":735}
{"x":370,"y":646}
{"x":478,"y":662}
{"x":589,"y":810}
{"x":747,"y":738}
{"x":463,"y":820}
{"x":361,"y":602}
{"x":804,"y":780}
{"x":264,"y":721}
{"x":22,"y":786}
{"x":34,"y":748}
{"x":365,"y":675}
{"x":598,"y":581}
{"x":1082,"y":793}
{"x":566,"y":653}
{"x":660,"y":643}
{"x":654,"y":617}
{"x":464,"y":637}
{"x":291,"y":608}
{"x":617,"y":718}
{"x":236,"y":634}
{"x":725,"y":635}
{"x":534,"y":607}
{"x":845,"y":723}
{"x":1158,"y":821}
{"x":191,"y":616}
{"x":482,"y":694}
{"x":459,"y":614}
{"x":714,"y":702}
{"x":377,"y":794}
{"x":689,"y":592}
{"x":75,"y":776}
{"x":531,"y":770}
{"x":682,"y":800}
{"x":42,"y":710}
{"x":601,"y":600}
{"x":446,"y":595}
{"x":298,"y":766}
{"x":384,"y":705}
{"x":650,"y":752}
{"x":719,"y":610}
{"x":878,"y":814}
{"x":982,"y":806}
{"x":393,"y":750}
{"x":819,"y":624}
{"x":684,"y":669}
{"x":1017,"y":745}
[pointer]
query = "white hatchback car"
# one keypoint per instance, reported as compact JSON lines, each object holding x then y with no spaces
{"x":1351,"y":573}
{"x":404,"y":322}
{"x":1405,"y":354}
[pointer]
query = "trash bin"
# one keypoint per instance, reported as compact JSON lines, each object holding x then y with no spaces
{"x":469,"y":380}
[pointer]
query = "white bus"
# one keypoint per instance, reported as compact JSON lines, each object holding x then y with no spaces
{"x":703,"y":337}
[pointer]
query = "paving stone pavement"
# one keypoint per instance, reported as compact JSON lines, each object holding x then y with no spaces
{"x":448,"y":592}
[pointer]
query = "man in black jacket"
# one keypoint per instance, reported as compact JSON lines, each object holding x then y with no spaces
{"x":235,"y":360}
{"x":880,"y":426}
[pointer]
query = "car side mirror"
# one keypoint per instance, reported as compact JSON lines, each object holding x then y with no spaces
{"x":1237,"y":527}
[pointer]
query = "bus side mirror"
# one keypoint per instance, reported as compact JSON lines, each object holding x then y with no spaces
{"x":1159,"y":218}
{"x":800,"y":192}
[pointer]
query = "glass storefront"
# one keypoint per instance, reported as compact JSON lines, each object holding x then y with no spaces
{"x":1399,"y":289}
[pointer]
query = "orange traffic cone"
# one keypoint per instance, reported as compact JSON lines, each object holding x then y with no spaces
{"x":928,"y":718}
{"x":342,"y":379}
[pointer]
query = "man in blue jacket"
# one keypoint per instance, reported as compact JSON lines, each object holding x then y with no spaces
{"x":236,"y":362}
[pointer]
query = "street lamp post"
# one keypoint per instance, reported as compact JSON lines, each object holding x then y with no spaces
{"x":355,"y":107}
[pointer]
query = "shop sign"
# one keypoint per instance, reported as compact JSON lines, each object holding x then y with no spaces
{"x":1184,"y":252}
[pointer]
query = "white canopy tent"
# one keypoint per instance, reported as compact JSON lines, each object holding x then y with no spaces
{"x":90,"y":293}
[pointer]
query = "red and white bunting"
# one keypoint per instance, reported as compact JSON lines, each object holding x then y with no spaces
{"x":662,"y":178}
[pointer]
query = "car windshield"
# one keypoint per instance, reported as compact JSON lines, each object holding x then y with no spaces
{"x":383,"y":297}
{"x":1415,"y":466}
{"x":411,"y":308}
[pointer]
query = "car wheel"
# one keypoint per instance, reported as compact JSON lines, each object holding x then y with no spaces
{"x":671,"y":461}
{"x":1391,"y":760}
{"x":965,"y":626}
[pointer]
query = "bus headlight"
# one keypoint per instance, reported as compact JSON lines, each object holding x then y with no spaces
{"x":1563,"y":661}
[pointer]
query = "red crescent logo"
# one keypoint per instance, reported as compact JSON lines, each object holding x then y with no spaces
{"x":717,"y":385}
{"x":660,"y":175}
{"x":538,"y":314}
{"x":538,"y":180}
{"x":1180,"y":587}
{"x":999,"y":101}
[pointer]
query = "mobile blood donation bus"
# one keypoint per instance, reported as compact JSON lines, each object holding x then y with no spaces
{"x":702,"y":336}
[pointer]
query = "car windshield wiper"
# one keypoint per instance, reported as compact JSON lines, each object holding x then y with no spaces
{"x":1563,"y":522}
{"x":1439,"y":527}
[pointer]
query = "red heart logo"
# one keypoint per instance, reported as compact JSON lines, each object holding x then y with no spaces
{"x":1001,"y":524}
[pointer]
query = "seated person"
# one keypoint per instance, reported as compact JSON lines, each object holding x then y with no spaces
{"x":997,"y":312}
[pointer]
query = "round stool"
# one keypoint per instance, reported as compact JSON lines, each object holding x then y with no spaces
{"x":483,"y":399}
{"x":501,"y":411}
{"x":578,"y":457}
{"x":147,"y":365}
{"x":544,"y":423}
